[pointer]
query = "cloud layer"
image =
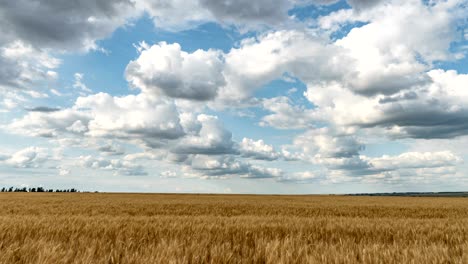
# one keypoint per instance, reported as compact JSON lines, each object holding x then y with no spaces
{"x":374,"y":71}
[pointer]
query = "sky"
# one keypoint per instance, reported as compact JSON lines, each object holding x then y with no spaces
{"x":209,"y":96}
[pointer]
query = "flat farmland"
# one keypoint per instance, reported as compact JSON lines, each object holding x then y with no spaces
{"x":172,"y":228}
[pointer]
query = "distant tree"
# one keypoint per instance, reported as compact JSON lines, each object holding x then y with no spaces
{"x":36,"y":189}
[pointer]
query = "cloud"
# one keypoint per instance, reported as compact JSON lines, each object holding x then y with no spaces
{"x":259,"y":172}
{"x":414,"y":167}
{"x":355,"y":166}
{"x":119,"y":167}
{"x":175,"y":14}
{"x":306,"y":177}
{"x":329,"y":143}
{"x":399,"y":97}
{"x":243,"y":14}
{"x":283,"y":109}
{"x":393,"y":51}
{"x":211,"y":138}
{"x":81,"y":23}
{"x":142,"y":156}
{"x":363,"y":4}
{"x":24,"y":66}
{"x":168,"y":174}
{"x":8,"y":104}
{"x":436,"y":110}
{"x":369,"y":61}
{"x":30,"y":33}
{"x":64,"y":172}
{"x":50,"y":124}
{"x":322,"y":2}
{"x":78,"y":84}
{"x":44,"y":109}
{"x":261,"y":60}
{"x":166,"y":69}
{"x":31,"y":157}
{"x":111,"y":149}
{"x":131,"y":116}
{"x":102,"y":115}
{"x":415,"y":160}
{"x":405,"y":32}
{"x":339,"y":152}
{"x":203,"y":166}
{"x":140,"y":120}
{"x":361,"y":62}
{"x":258,"y":150}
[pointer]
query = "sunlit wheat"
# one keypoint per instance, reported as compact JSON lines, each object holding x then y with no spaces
{"x":149,"y":228}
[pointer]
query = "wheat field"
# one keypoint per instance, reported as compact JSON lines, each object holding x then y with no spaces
{"x":156,"y":228}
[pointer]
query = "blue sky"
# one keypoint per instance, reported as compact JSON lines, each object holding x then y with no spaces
{"x":299,"y":96}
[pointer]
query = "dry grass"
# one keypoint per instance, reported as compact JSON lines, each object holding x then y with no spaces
{"x":149,"y":228}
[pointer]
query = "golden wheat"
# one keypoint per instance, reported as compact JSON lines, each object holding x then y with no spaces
{"x":151,"y":228}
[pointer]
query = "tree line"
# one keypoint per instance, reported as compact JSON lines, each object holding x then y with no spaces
{"x":36,"y":189}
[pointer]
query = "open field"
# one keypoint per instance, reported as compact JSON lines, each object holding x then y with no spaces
{"x":153,"y":228}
